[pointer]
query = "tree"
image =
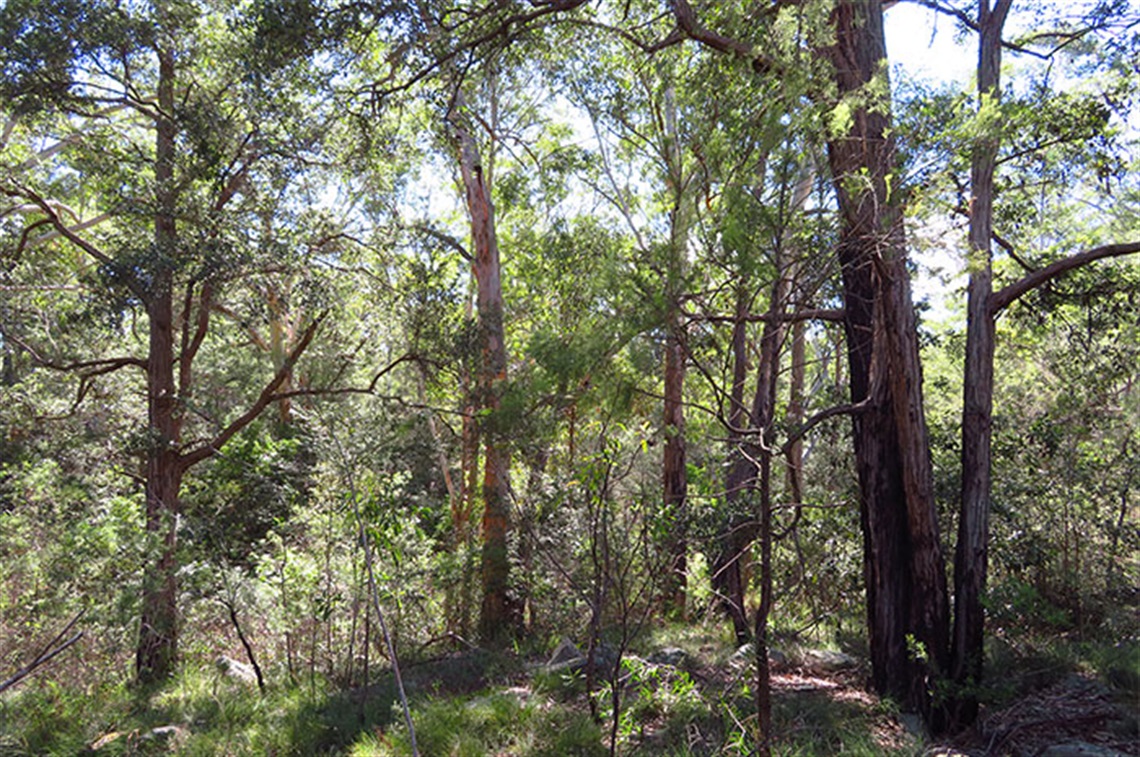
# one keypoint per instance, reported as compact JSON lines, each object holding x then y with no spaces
{"x":907,"y":602}
{"x":131,"y":75}
{"x":983,"y":307}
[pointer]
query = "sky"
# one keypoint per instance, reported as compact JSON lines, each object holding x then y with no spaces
{"x":921,"y":42}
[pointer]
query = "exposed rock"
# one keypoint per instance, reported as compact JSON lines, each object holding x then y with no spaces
{"x":236,"y":670}
{"x":826,"y":661}
{"x":565,"y":652}
{"x":173,"y":736}
{"x":913,"y":724}
{"x":568,"y":657}
{"x":674,"y":656}
{"x":170,"y":734}
{"x":777,"y":660}
{"x":746,"y":655}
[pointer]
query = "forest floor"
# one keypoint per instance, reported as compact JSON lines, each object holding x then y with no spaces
{"x":683,"y":692}
{"x":688,"y":701}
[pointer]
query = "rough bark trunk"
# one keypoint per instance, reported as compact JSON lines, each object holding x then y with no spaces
{"x":903,"y":568}
{"x":970,"y":559}
{"x":727,"y":578}
{"x":674,"y":475}
{"x":675,"y":481}
{"x":157,"y":650}
{"x":497,"y":615}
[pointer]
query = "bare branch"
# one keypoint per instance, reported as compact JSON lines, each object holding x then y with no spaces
{"x":268,"y":395}
{"x":1002,"y":298}
{"x":447,"y":239}
{"x":850,"y":408}
{"x":49,"y":652}
{"x":502,"y":29}
{"x":687,"y":22}
{"x":835,"y":315}
{"x":85,"y":367}
{"x":48,"y":209}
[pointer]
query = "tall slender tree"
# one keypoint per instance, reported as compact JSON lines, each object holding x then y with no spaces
{"x":143,"y":63}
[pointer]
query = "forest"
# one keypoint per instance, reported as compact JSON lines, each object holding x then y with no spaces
{"x":568,"y":377}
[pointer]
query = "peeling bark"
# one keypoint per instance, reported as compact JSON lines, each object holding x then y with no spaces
{"x":903,"y":568}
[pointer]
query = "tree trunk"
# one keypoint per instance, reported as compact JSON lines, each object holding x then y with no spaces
{"x":728,"y":578}
{"x":763,"y":415}
{"x":675,"y":480}
{"x":497,"y":614}
{"x":903,"y":568}
{"x":674,"y":475}
{"x":970,"y":559}
{"x":157,"y":649}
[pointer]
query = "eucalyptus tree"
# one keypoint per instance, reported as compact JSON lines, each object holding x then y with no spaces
{"x":905,"y":578}
{"x":644,"y":116}
{"x":172,"y":149}
{"x":1074,"y":129}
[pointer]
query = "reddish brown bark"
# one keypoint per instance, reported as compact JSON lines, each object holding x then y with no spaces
{"x":970,"y":559}
{"x":157,"y":651}
{"x":903,"y":569}
{"x":498,"y":616}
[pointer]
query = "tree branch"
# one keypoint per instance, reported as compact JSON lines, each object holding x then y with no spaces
{"x":49,"y":652}
{"x":20,"y":192}
{"x":447,"y":239}
{"x":90,"y":367}
{"x":835,"y":315}
{"x":687,"y":22}
{"x":850,"y":408}
{"x":268,"y":395}
{"x":190,"y":346}
{"x":1002,"y":298}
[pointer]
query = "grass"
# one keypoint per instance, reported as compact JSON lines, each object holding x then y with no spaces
{"x":479,"y":704}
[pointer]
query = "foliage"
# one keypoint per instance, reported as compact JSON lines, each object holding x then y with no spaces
{"x":634,"y":194}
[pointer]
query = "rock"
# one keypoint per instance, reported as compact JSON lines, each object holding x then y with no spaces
{"x":913,"y":724}
{"x":673,"y":656}
{"x":565,"y":652}
{"x":568,"y":657}
{"x":746,"y":655}
{"x":173,"y":736}
{"x":1080,"y":749}
{"x":777,"y":660}
{"x":826,"y":661}
{"x":168,"y":734}
{"x":236,"y":670}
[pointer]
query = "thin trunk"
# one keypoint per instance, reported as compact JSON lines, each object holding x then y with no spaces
{"x":674,"y":475}
{"x":281,"y":338}
{"x":970,"y":558}
{"x":763,"y":668}
{"x":795,"y":454}
{"x":675,"y":481}
{"x":903,"y":569}
{"x":763,"y":415}
{"x":497,"y":614}
{"x":727,"y":576}
{"x":157,"y":651}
